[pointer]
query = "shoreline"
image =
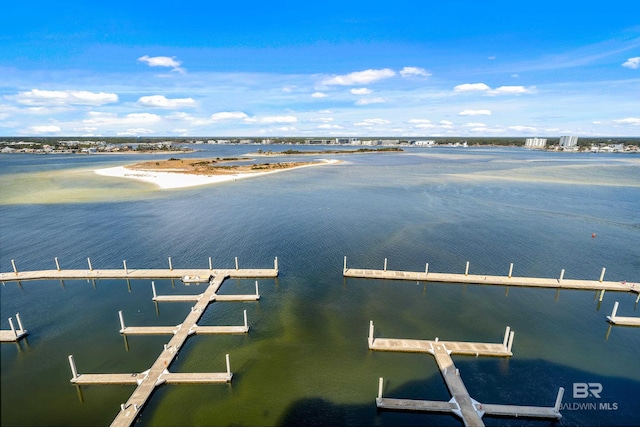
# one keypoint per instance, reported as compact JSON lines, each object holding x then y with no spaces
{"x":175,"y":180}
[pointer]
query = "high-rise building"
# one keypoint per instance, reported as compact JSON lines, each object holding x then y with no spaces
{"x":535,"y":143}
{"x":568,"y":141}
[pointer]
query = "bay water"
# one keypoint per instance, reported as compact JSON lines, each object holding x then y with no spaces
{"x":305,"y":360}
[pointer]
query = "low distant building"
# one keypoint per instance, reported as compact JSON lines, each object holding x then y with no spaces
{"x":569,"y":142}
{"x":535,"y":143}
{"x":427,"y":143}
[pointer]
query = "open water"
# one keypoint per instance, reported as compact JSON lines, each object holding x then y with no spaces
{"x":305,"y":360}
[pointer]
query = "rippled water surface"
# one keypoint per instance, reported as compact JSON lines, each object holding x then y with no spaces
{"x":305,"y":359}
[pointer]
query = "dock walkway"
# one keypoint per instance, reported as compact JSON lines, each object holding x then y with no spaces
{"x":147,"y":381}
{"x":510,"y":280}
{"x":461,"y":403}
{"x":15,"y":334}
{"x":620,"y":320}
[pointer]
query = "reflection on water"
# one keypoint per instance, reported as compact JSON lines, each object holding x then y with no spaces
{"x":306,"y":357}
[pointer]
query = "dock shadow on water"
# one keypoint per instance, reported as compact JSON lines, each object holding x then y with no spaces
{"x":528,"y":382}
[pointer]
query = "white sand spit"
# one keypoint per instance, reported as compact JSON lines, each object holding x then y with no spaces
{"x":171,"y":180}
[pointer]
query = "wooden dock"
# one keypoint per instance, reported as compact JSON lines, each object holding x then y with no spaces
{"x":461,"y":403}
{"x":623,"y":321}
{"x":15,"y":334}
{"x":127,"y":273}
{"x":509,"y":280}
{"x":147,"y":381}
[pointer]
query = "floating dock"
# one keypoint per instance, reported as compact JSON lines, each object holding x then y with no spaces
{"x":14,"y":334}
{"x":127,"y":273}
{"x":461,"y":403}
{"x":509,"y":280}
{"x":623,"y":321}
{"x":158,"y":374}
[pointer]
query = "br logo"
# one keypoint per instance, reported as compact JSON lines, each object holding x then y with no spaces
{"x":584,"y":390}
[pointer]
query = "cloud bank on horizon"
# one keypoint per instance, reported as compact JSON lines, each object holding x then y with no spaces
{"x":349,"y":71}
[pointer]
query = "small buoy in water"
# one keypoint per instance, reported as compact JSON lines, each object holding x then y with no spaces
{"x":593,"y":235}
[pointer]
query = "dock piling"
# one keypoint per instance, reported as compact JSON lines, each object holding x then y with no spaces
{"x":121,"y":320}
{"x":246,"y":324}
{"x":385,"y":264}
{"x":236,"y":263}
{"x":556,"y":407}
{"x":19,"y":322}
{"x":228,"y":366}
{"x":153,"y":289}
{"x":380,"y":385}
{"x":210,"y":264}
{"x":13,"y":264}
{"x":615,"y":309}
{"x":602,"y":274}
{"x":89,"y":262}
{"x":344,"y":267}
{"x":466,"y":270}
{"x":561,"y":275}
{"x":506,"y":336}
{"x":57,"y":264}
{"x":370,"y":333}
{"x":511,"y":334}
{"x":426,"y":269}
{"x":72,"y":363}
{"x":601,"y":295}
{"x":13,"y":328}
{"x":124,"y":263}
{"x":170,"y":265}
{"x":510,"y":270}
{"x":257,"y":293}
{"x":275,"y":263}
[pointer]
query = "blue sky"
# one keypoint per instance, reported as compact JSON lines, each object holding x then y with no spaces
{"x":331,"y":68}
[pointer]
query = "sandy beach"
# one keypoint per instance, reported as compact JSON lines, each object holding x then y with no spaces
{"x":173,"y":180}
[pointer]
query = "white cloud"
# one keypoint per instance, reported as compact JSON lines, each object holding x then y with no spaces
{"x":45,"y":129}
{"x":110,"y":119}
{"x":414,"y":71}
{"x":471,"y":87}
{"x":502,"y":90}
{"x":425,"y":125}
{"x":446,"y":122}
{"x":512,"y":90}
{"x":633,"y":63}
{"x":523,"y":128}
{"x":418,"y":121}
{"x":319,"y":95}
{"x":474,"y":113}
{"x":328,"y":126}
{"x":162,"y":61}
{"x":628,"y":121}
{"x":360,"y":77}
{"x":135,"y":131}
{"x":474,"y":125}
{"x":372,"y":122}
{"x":361,"y":91}
{"x":367,"y":101}
{"x":39,"y":97}
{"x":271,"y":119}
{"x":322,"y":119}
{"x":228,"y":115}
{"x":160,"y":101}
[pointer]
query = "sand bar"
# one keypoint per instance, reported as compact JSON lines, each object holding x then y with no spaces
{"x":172,"y":180}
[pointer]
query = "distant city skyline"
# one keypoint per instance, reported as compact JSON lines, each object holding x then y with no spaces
{"x":349,"y":69}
